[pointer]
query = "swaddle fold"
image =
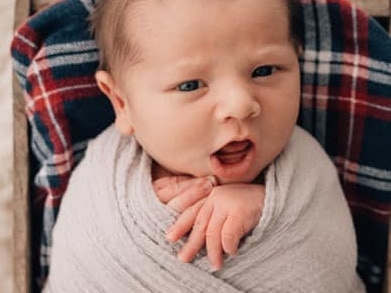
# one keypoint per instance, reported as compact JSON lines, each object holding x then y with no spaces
{"x":110,"y":233}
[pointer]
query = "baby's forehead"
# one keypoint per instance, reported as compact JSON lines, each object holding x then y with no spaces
{"x":152,"y":17}
{"x":160,"y":30}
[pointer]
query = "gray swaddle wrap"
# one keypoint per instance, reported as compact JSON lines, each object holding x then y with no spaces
{"x":110,"y":233}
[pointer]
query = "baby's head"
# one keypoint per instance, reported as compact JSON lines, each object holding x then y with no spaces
{"x":111,"y":23}
{"x":205,"y":86}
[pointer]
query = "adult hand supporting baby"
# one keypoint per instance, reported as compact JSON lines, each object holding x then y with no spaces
{"x":216,"y":216}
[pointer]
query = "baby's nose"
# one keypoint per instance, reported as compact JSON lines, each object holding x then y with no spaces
{"x":238,"y":103}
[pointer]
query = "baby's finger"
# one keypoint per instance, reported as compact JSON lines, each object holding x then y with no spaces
{"x":200,"y":189}
{"x":167,"y":188}
{"x":213,"y":240}
{"x":184,"y":223}
{"x":231,"y":234}
{"x":196,"y":240}
{"x":168,"y":180}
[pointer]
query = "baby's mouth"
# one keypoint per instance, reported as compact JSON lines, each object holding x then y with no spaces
{"x":233,"y":161}
{"x":233,"y":152}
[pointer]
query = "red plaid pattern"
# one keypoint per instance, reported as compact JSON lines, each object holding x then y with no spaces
{"x":346,"y":105}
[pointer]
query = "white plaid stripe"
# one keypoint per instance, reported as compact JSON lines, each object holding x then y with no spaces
{"x":53,"y":119}
{"x":365,"y":175}
{"x":315,"y":46}
{"x":68,"y":48}
{"x":89,"y":4}
{"x":307,"y":97}
{"x":30,"y":103}
{"x":56,"y":164}
{"x":80,"y":58}
{"x":326,"y":64}
{"x":20,"y":70}
{"x":367,"y":207}
{"x":26,"y":41}
{"x":353,"y":99}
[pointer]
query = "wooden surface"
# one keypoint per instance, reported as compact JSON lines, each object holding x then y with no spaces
{"x":375,"y":7}
{"x":21,"y":245}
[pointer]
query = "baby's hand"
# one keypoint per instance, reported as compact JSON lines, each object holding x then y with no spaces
{"x":182,"y":192}
{"x":220,"y":221}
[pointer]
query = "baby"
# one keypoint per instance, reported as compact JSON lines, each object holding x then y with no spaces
{"x":204,"y":152}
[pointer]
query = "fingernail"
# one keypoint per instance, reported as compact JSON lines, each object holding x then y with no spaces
{"x":208,"y":186}
{"x":213,"y":180}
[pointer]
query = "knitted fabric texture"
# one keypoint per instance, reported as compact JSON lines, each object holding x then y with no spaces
{"x":304,"y":242}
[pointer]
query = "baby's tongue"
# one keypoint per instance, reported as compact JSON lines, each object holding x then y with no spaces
{"x":233,"y":147}
{"x":233,"y":152}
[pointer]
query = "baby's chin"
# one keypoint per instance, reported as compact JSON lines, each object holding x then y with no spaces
{"x":258,"y":178}
{"x":159,"y":171}
{"x":224,"y":181}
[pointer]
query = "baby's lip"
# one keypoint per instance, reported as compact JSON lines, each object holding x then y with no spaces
{"x":233,"y":152}
{"x":234,"y":160}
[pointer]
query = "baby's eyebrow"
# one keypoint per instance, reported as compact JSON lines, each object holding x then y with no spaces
{"x":190,"y":63}
{"x":187,"y":68}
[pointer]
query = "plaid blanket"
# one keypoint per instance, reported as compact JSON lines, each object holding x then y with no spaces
{"x":55,"y":59}
{"x":346,"y":105}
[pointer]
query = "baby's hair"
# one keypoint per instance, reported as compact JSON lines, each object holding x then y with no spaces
{"x":295,"y":15}
{"x":108,"y":24}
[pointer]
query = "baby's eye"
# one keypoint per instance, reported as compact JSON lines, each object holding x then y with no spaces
{"x":190,"y":85}
{"x":262,"y":71}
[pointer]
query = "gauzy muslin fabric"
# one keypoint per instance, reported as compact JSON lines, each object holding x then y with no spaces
{"x":110,"y":234}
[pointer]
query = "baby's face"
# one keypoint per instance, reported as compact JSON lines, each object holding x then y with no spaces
{"x":216,"y":89}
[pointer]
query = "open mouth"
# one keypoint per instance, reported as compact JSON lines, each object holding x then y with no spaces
{"x":234,"y":152}
{"x":234,"y":160}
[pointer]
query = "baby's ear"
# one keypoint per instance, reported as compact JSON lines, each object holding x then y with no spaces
{"x":118,"y":101}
